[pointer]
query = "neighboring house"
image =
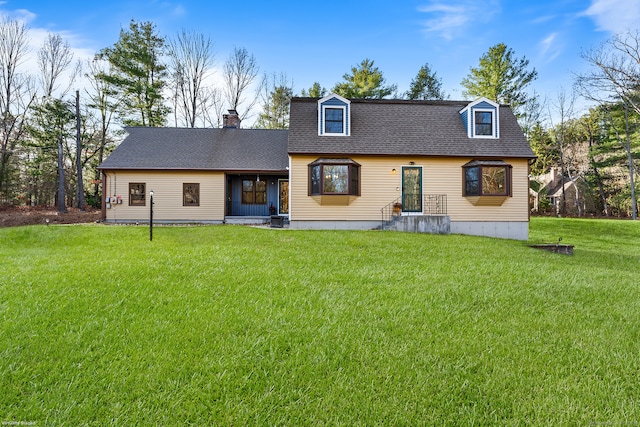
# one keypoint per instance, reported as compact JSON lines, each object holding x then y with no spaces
{"x":554,"y":188}
{"x":343,"y":164}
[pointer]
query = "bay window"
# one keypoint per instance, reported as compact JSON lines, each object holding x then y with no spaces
{"x":334,"y":177}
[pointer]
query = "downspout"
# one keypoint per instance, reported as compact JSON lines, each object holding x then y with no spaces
{"x":537,"y":199}
{"x":103,"y":196}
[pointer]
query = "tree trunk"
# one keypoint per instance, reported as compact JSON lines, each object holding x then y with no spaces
{"x":62,"y":208}
{"x":627,"y":147}
{"x":80,"y":200}
{"x":596,"y":173}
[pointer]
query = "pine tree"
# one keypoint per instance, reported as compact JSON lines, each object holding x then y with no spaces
{"x":275,"y":114}
{"x":500,"y":77}
{"x":365,"y":81}
{"x":315,"y":91}
{"x":138,"y":75}
{"x":426,"y":85}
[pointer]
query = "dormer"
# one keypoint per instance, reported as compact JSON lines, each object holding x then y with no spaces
{"x":481,"y":119}
{"x":334,"y":116}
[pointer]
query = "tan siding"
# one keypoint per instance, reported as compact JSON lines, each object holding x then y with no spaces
{"x":167,"y":197}
{"x":444,"y":176}
{"x":379,"y":186}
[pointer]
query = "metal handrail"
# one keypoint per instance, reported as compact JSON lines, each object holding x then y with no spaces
{"x":433,"y":204}
{"x":389,"y":211}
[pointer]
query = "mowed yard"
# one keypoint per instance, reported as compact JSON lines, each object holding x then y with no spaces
{"x":232,"y":325}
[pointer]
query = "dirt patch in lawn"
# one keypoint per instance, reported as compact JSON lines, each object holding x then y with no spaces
{"x":13,"y":216}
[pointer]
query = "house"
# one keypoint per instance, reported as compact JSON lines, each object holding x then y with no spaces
{"x":351,"y":158}
{"x":197,"y":175}
{"x":553,"y":188}
{"x":343,"y":164}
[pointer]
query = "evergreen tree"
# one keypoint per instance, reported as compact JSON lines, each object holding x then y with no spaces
{"x":426,"y":85}
{"x":544,"y":147}
{"x":500,"y":77}
{"x":365,"y":81}
{"x":138,"y":75}
{"x":315,"y":91}
{"x":52,"y":124}
{"x":276,"y":98}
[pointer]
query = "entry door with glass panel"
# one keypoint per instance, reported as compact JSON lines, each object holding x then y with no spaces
{"x":283,"y":197}
{"x":412,"y":189}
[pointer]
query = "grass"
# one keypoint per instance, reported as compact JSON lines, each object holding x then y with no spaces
{"x":230,"y":325}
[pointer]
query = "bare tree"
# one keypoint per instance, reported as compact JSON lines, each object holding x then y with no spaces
{"x":614,"y":78}
{"x":191,"y":64}
{"x":214,"y":107}
{"x":564,"y":109}
{"x":533,"y":113}
{"x":615,"y":73}
{"x":239,"y":72}
{"x":54,"y":59}
{"x":16,"y":94}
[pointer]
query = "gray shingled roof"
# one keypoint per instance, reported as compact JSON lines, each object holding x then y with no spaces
{"x":201,"y":149}
{"x":400,"y":127}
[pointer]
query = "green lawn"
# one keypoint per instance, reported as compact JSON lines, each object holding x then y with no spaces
{"x":231,"y":325}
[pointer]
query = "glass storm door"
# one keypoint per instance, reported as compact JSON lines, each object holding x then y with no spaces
{"x":283,"y":197}
{"x":411,"y":189}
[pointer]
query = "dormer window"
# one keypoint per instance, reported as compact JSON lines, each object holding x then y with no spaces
{"x":481,"y":117}
{"x":334,"y":116}
{"x":483,"y":125}
{"x":334,"y":120}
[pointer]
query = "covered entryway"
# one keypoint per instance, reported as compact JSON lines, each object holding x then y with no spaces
{"x":255,"y":196}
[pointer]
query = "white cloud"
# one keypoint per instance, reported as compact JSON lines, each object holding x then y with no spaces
{"x":22,"y":15}
{"x":449,"y":18}
{"x":615,"y":16}
{"x":179,"y":11}
{"x":549,"y":47}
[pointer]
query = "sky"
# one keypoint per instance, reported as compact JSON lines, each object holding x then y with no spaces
{"x":321,"y":41}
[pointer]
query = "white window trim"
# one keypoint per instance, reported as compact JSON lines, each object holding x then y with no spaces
{"x":494,"y":122}
{"x":345,"y":124}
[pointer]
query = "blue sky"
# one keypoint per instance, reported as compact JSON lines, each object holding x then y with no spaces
{"x":321,"y":41}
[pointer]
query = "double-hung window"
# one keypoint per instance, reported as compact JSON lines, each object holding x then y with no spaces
{"x":191,"y":194}
{"x":334,"y":120}
{"x":483,"y":123}
{"x":137,"y":194}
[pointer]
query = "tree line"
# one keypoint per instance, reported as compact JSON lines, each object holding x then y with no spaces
{"x":50,"y":137}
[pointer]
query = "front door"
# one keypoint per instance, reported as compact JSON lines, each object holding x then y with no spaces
{"x":283,"y":197}
{"x":412,"y":189}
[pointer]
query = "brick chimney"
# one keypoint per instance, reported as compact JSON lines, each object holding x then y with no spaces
{"x":231,"y":120}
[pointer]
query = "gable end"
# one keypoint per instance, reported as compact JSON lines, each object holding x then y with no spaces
{"x":334,"y":116}
{"x":481,"y":119}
